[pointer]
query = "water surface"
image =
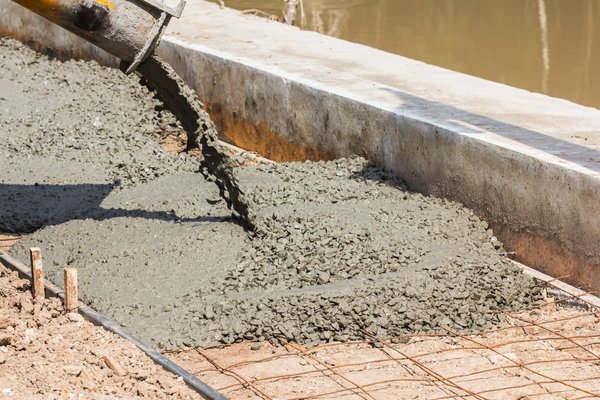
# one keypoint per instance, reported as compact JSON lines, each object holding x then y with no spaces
{"x":546,"y":46}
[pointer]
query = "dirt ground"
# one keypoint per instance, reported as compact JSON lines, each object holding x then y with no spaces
{"x":47,"y":354}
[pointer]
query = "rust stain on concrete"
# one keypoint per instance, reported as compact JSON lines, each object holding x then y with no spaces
{"x":551,"y":257}
{"x":261,"y":139}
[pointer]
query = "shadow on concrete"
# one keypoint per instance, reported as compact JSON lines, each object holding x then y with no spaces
{"x":467,"y":122}
{"x":27,"y":208}
{"x":372,"y":172}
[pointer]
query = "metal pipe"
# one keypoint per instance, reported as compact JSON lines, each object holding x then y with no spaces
{"x":128,"y":29}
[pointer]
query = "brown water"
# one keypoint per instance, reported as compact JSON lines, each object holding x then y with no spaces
{"x":545,"y":46}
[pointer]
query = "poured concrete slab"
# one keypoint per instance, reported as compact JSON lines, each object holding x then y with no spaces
{"x":528,"y":163}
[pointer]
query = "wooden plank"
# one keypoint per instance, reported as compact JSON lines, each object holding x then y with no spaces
{"x":113,"y":364}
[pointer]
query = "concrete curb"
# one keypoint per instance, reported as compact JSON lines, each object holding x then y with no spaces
{"x":527,"y":163}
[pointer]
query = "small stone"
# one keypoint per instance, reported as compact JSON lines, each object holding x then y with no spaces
{"x":95,"y":352}
{"x":143,"y":389}
{"x":445,"y":322}
{"x":142,"y":374}
{"x":44,"y":317}
{"x":27,"y":306}
{"x":165,"y":383}
{"x":6,"y":322}
{"x":324,"y":277}
{"x":87,"y":382}
{"x":75,"y":317}
{"x":548,"y":304}
{"x":209,"y":312}
{"x":255,"y":346}
{"x":30,"y":335}
{"x":73,"y":370}
{"x":5,"y":340}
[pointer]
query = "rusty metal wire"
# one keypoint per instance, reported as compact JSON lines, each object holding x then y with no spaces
{"x":409,"y":369}
{"x":563,"y":337}
{"x":391,"y":359}
{"x":437,"y":377}
{"x":245,"y":382}
{"x":361,"y":390}
{"x":526,"y":367}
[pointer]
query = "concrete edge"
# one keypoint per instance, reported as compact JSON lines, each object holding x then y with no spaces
{"x":98,"y":319}
{"x":575,"y":296}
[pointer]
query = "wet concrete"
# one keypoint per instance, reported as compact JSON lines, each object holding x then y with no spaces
{"x":184,"y":104}
{"x":341,"y":248}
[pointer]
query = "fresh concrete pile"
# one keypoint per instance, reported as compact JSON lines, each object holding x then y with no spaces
{"x":345,"y":252}
{"x":342,"y":249}
{"x":70,"y":133}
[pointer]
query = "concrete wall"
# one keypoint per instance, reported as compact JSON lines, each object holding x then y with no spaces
{"x":528,"y":163}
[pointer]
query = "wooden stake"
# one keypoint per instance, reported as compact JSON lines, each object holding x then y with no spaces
{"x":71,"y":302}
{"x":37,"y":273}
{"x":113,"y":364}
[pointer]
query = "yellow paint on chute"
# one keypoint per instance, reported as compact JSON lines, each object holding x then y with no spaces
{"x":106,"y":3}
{"x":49,"y":8}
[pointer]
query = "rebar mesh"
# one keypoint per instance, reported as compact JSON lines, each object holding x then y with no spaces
{"x":544,"y":352}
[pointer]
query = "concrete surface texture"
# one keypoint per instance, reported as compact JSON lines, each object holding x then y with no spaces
{"x":527,"y":163}
{"x":342,"y":248}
